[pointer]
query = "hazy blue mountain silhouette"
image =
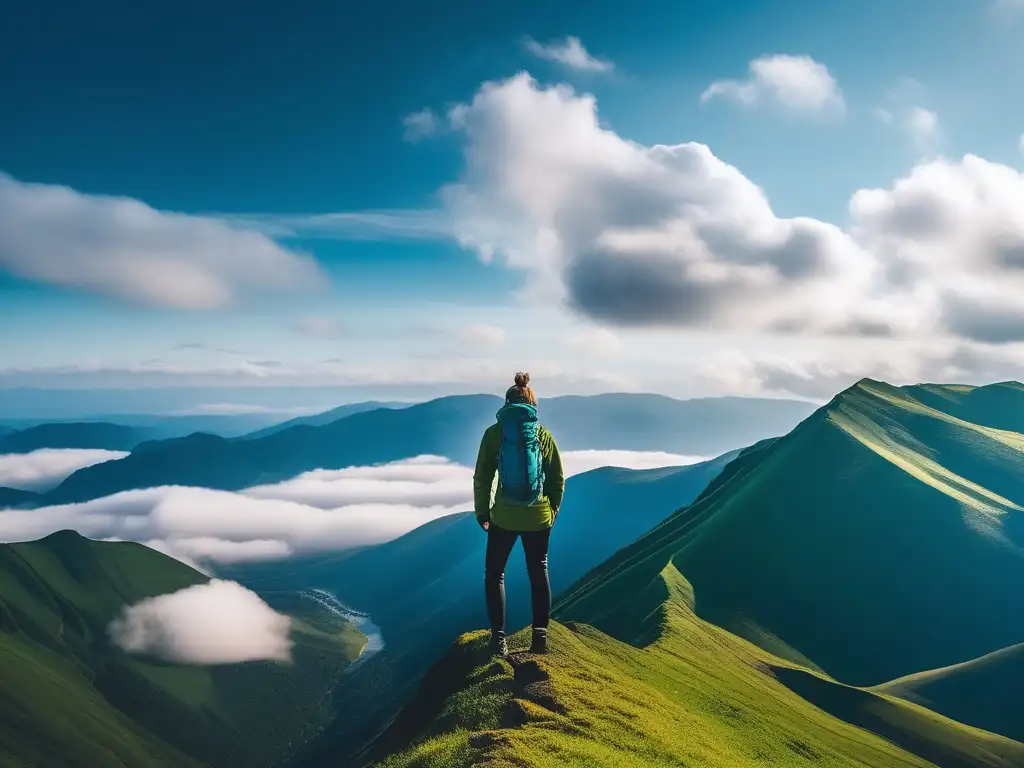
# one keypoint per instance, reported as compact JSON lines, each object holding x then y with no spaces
{"x":326,"y":417}
{"x":449,"y":426}
{"x":111,"y":437}
{"x":13,"y":497}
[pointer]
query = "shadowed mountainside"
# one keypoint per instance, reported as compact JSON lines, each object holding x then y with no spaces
{"x":984,"y":692}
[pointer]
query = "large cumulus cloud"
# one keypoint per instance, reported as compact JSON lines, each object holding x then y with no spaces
{"x":673,"y":236}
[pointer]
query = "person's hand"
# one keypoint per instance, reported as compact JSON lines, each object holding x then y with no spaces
{"x":483,"y":523}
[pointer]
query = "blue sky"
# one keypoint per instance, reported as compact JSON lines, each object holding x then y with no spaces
{"x":266,"y":117}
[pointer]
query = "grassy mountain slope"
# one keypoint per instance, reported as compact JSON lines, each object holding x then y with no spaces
{"x":111,"y":437}
{"x":895,"y":525}
{"x":449,"y":426}
{"x":426,"y":588}
{"x":74,"y":699}
{"x":697,"y":696}
{"x":325,"y":417}
{"x":984,"y":692}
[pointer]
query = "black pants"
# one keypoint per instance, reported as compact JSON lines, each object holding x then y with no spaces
{"x":499,"y":547}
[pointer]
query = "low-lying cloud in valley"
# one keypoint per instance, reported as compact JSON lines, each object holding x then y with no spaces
{"x":220,"y":622}
{"x":45,"y":468}
{"x":317,"y":511}
{"x":576,"y":462}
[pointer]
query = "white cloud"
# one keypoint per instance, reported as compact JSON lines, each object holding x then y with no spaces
{"x":420,"y":125}
{"x":576,"y":462}
{"x":595,"y":341}
{"x":482,"y":335}
{"x":883,"y":115}
{"x":121,"y":247}
{"x":396,"y":224}
{"x":220,"y":622}
{"x":798,"y":83}
{"x":672,"y":236}
{"x":819,"y":376}
{"x":424,"y":482}
{"x":316,"y":511}
{"x":320,"y":327}
{"x":923,"y":126}
{"x":569,"y":53}
{"x":47,"y":467}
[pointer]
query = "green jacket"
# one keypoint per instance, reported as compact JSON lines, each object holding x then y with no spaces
{"x":510,"y":515}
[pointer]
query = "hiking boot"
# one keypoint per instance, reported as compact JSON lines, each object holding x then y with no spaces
{"x":540,"y":641}
{"x":499,"y":646}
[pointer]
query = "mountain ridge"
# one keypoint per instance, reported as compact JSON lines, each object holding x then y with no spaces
{"x":449,"y":427}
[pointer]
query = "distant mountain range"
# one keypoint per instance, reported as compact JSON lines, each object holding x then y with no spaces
{"x":111,"y":437}
{"x":449,"y":427}
{"x":14,"y":497}
{"x":880,"y":539}
{"x":159,"y":427}
{"x":326,"y":417}
{"x":68,"y":697}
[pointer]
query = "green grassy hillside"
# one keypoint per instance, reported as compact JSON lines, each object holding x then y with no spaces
{"x":697,"y":696}
{"x":984,"y":692}
{"x":70,"y":698}
{"x":880,"y":538}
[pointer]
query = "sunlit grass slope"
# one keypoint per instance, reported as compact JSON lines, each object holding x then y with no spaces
{"x":984,"y":692}
{"x":698,"y":696}
{"x":880,"y":538}
{"x":70,"y":698}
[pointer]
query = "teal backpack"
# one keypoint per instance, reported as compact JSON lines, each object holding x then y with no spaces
{"x":520,"y":460}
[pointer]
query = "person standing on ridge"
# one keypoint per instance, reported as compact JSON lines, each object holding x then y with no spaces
{"x":531,"y":483}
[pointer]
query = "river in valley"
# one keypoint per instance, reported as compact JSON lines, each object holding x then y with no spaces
{"x":360,"y":620}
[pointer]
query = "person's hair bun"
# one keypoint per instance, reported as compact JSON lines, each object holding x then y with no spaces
{"x":522,"y":380}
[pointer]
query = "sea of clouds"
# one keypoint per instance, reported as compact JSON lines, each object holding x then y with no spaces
{"x":45,"y":468}
{"x":317,"y":511}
